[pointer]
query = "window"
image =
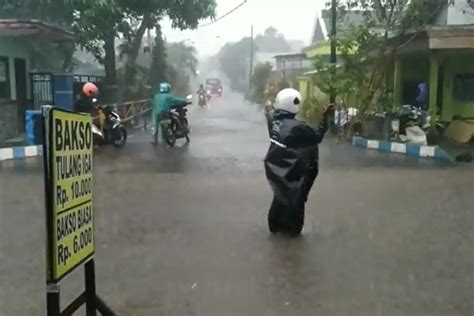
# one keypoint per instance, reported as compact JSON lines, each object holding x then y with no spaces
{"x":4,"y":78}
{"x":464,"y":87}
{"x":213,"y":81}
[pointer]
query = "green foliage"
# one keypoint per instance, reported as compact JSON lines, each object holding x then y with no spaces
{"x":233,"y":59}
{"x":272,"y":41}
{"x":312,"y":108}
{"x":94,"y":21}
{"x":180,"y":81}
{"x":187,"y":14}
{"x":98,"y":22}
{"x":183,"y":57}
{"x":260,"y":78}
{"x":158,"y":67}
{"x":366,"y":50}
{"x":52,"y":11}
{"x":182,"y":64}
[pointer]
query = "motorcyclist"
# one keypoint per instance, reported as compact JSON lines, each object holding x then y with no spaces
{"x":201,"y":92}
{"x":163,"y":102}
{"x":201,"y":89}
{"x":291,"y":164}
{"x":85,"y":99}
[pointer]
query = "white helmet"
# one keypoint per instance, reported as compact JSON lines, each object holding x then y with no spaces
{"x":288,"y":100}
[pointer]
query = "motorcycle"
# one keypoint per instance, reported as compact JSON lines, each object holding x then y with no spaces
{"x":202,"y":100}
{"x":112,"y":130}
{"x":411,"y":123}
{"x":176,"y":125}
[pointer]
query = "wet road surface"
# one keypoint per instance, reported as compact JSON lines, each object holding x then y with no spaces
{"x":183,"y":231}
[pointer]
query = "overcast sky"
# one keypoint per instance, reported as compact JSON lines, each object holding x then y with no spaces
{"x":294,"y":18}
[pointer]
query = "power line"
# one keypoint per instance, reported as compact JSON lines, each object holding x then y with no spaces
{"x":225,"y":15}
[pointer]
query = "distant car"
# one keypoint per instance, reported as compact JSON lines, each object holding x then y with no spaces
{"x":214,"y":86}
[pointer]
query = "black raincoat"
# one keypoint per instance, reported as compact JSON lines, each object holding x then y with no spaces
{"x":291,"y":166}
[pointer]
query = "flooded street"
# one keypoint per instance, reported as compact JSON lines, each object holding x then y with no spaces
{"x":183,"y":231}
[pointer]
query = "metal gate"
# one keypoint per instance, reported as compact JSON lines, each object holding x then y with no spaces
{"x":42,"y":89}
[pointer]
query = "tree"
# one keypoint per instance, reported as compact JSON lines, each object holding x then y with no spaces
{"x":366,"y":50}
{"x":158,"y":69}
{"x":272,"y":41}
{"x":98,"y":23}
{"x":234,"y":63}
{"x":183,"y":56}
{"x":52,"y":11}
{"x":147,"y":13}
{"x":234,"y":58}
{"x":182,"y":65}
{"x":260,"y":78}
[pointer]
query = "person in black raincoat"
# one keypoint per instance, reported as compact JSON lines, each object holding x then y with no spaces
{"x":291,"y":164}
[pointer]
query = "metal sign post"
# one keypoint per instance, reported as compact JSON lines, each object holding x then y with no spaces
{"x":67,"y":154}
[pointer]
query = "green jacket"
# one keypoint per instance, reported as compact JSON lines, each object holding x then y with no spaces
{"x":164,"y":102}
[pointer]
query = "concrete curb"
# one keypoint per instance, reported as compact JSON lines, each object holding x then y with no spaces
{"x":434,"y":152}
{"x":20,"y":152}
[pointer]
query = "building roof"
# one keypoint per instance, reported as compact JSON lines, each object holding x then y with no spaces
{"x":319,"y":32}
{"x":322,"y":25}
{"x":321,"y":49}
{"x":290,"y":56}
{"x":261,"y":57}
{"x":436,"y":37}
{"x":345,"y":21}
{"x":36,"y":28}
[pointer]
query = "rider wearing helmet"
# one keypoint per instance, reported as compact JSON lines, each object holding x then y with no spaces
{"x":163,"y":102}
{"x":84,"y":100}
{"x":201,"y":89}
{"x":202,"y":95}
{"x":291,"y":164}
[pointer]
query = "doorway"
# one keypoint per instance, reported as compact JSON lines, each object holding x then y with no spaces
{"x":21,"y":90}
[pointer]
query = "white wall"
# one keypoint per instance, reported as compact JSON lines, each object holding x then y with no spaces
{"x":461,"y":13}
{"x":16,"y":48}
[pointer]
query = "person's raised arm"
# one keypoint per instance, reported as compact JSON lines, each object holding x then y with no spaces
{"x":307,"y":135}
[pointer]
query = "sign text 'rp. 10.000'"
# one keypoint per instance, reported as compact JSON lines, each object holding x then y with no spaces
{"x":70,"y":211}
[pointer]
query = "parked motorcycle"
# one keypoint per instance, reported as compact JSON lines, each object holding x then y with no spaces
{"x":112,"y":130}
{"x":411,"y":123}
{"x":176,"y":125}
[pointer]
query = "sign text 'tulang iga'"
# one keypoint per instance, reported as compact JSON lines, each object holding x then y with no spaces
{"x":72,"y":136}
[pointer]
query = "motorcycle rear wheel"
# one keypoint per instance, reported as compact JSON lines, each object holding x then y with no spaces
{"x":120,"y":142}
{"x":170,"y":136}
{"x":186,"y":130}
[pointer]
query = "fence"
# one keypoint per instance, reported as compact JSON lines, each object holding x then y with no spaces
{"x":134,"y":113}
{"x":42,"y":89}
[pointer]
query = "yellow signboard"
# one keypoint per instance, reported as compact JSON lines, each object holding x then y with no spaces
{"x":70,"y":212}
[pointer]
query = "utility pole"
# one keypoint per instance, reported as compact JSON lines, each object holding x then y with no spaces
{"x":251,"y":57}
{"x":332,"y":96}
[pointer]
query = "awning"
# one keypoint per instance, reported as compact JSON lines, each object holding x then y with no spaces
{"x":451,"y":37}
{"x":34,"y":28}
